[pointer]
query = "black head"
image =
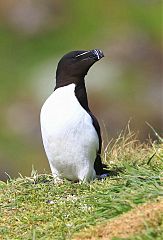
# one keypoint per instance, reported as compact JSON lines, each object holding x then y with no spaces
{"x":74,"y":66}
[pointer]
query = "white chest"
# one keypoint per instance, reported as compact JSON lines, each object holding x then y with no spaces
{"x":69,"y":137}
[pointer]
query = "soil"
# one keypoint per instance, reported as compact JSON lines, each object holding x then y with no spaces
{"x":126,"y":225}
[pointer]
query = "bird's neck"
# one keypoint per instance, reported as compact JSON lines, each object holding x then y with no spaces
{"x":80,"y":89}
{"x":62,"y":81}
{"x":81,"y":95}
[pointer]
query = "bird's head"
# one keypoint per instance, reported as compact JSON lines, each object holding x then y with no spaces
{"x":75,"y":65}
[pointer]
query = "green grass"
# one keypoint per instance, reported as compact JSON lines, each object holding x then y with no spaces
{"x":34,"y":208}
{"x":150,"y":233}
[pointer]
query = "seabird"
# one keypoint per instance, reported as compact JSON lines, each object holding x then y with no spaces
{"x":70,"y":132}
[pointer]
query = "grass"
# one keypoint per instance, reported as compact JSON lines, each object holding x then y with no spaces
{"x":34,"y":208}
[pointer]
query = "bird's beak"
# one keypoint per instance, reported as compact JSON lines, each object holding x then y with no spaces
{"x":95,"y":54}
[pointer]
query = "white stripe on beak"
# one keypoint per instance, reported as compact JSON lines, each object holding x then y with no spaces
{"x":82,"y":54}
{"x":97,"y":54}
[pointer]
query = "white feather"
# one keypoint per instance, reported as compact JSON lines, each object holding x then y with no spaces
{"x":69,"y":137}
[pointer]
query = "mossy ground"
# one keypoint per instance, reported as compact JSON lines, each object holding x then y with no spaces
{"x":36,"y":208}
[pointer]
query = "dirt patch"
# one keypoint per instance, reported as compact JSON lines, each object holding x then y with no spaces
{"x":128,"y":224}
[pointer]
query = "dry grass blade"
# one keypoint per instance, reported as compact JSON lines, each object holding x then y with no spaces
{"x":156,"y":134}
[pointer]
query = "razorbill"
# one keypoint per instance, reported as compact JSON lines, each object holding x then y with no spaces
{"x":70,"y":132}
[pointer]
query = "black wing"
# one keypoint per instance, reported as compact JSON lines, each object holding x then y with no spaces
{"x":80,"y":92}
{"x":98,"y":165}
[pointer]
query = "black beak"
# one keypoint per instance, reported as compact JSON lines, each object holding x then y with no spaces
{"x":95,"y":54}
{"x":98,"y":54}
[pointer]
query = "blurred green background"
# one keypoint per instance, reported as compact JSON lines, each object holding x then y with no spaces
{"x":124,"y":85}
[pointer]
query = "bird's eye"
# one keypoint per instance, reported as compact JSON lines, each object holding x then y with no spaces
{"x":74,"y":59}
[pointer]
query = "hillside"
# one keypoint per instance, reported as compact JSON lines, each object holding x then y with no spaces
{"x":36,"y":208}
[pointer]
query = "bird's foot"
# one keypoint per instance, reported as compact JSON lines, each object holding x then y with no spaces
{"x":58,"y":180}
{"x":103,"y":176}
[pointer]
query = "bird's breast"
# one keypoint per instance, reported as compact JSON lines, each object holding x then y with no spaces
{"x":67,"y":129}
